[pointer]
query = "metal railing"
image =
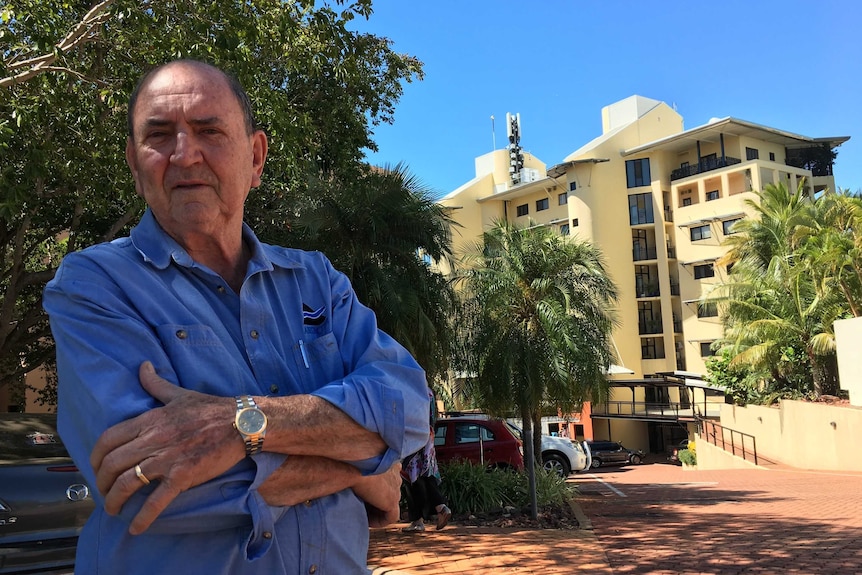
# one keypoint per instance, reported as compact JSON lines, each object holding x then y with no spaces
{"x":640,"y":409}
{"x":705,"y":165}
{"x":740,"y":444}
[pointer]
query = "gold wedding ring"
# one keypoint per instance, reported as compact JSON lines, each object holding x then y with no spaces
{"x":141,"y":475}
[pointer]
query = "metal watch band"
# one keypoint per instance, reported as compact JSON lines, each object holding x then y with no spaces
{"x":253,"y":443}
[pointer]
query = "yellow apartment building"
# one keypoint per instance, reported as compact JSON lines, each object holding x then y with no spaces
{"x":658,"y":200}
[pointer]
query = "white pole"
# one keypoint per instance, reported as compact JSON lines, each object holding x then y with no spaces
{"x":493,"y":135}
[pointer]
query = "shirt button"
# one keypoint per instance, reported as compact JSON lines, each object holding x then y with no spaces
{"x":181,"y":334}
{"x":273,"y":388}
{"x":220,"y":289}
{"x":312,"y":569}
{"x":267,"y":535}
{"x":308,"y":503}
{"x":254,"y":334}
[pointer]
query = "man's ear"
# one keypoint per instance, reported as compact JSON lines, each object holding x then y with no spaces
{"x":133,"y":163}
{"x":260,"y":145}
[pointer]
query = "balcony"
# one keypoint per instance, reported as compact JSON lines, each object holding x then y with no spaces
{"x":705,"y":165}
{"x":650,"y":327}
{"x":641,"y":253}
{"x":643,"y":410}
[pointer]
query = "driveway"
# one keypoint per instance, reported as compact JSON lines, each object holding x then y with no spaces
{"x":657,"y":518}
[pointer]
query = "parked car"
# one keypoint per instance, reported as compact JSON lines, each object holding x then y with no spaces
{"x":44,"y":500}
{"x":673,"y":451}
{"x":480,"y":440}
{"x":613,"y":452}
{"x":561,"y":455}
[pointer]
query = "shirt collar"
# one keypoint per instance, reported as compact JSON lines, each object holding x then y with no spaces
{"x":158,"y":248}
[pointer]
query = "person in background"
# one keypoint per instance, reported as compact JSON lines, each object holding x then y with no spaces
{"x":422,"y":474}
{"x":234,"y":404}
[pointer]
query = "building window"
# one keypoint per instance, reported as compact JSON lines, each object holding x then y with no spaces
{"x":704,"y":271}
{"x":523,"y":210}
{"x":573,"y":186}
{"x":563,"y":199}
{"x":751,"y":153}
{"x":686,"y":202}
{"x":542,"y":204}
{"x":564,"y":229}
{"x":637,"y":173}
{"x":707,"y":310}
{"x":640,"y":209}
{"x":706,"y":349}
{"x":729,"y":267}
{"x":771,"y":156}
{"x":727,"y":226}
{"x":575,"y":223}
{"x":713,"y":195}
{"x":700,"y":233}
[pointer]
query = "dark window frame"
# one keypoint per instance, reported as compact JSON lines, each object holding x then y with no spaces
{"x":523,"y":210}
{"x":542,"y":204}
{"x":698,"y":233}
{"x":704,"y":271}
{"x":638,"y":173}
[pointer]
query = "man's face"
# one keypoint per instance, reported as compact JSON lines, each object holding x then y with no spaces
{"x":190,"y":154}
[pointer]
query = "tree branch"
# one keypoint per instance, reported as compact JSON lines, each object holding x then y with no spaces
{"x":83,"y":32}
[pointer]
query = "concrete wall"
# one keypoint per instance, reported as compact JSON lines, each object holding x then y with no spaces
{"x":848,"y":337}
{"x":800,"y":434}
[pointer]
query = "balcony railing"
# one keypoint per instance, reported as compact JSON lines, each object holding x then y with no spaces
{"x":649,"y":327}
{"x":640,"y":254}
{"x":705,"y":165}
{"x":641,"y":409}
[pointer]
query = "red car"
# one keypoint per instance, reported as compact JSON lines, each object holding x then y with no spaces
{"x":489,"y":442}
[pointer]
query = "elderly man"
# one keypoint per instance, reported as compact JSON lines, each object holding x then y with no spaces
{"x":236,"y":406}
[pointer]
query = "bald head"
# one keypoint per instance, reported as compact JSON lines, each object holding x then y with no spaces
{"x":229,"y":81}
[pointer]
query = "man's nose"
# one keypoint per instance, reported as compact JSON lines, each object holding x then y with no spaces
{"x":186,"y":150}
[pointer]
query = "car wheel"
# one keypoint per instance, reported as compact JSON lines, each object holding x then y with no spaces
{"x":596,"y":463}
{"x":557,"y":464}
{"x":636,"y":459}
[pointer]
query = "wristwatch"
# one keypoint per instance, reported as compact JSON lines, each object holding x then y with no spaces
{"x":250,"y":421}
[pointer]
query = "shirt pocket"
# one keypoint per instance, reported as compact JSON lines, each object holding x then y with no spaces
{"x":319,"y":362}
{"x":200,"y":359}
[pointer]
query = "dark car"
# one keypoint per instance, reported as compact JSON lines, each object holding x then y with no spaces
{"x":44,"y":500}
{"x":613,"y":452}
{"x":483,"y":441}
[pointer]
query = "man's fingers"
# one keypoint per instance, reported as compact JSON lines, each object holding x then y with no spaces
{"x":124,"y":486}
{"x":157,"y":502}
{"x":158,"y":387}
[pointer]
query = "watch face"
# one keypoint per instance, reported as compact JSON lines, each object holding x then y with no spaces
{"x":251,"y":421}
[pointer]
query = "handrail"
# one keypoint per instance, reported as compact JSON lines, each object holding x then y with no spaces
{"x":716,"y":434}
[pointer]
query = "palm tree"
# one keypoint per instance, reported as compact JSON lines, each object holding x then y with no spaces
{"x":777,"y":318}
{"x":538,"y":326}
{"x":381,"y":228}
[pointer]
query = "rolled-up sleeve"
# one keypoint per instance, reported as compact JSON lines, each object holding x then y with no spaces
{"x":385,"y":390}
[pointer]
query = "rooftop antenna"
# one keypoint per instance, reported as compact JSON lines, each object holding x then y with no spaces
{"x":493,"y":135}
{"x":516,"y":158}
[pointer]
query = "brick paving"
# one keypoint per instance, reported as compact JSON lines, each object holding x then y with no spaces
{"x":657,"y":518}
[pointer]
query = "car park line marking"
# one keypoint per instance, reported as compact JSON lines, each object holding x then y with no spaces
{"x":608,"y":485}
{"x":684,"y":483}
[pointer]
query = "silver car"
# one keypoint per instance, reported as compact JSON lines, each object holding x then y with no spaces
{"x":44,"y":500}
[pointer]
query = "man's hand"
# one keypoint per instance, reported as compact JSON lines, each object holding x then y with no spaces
{"x":303,"y":477}
{"x":183,"y":444}
{"x":382,"y":496}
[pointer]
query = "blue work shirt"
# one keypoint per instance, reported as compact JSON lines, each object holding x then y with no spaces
{"x":296,"y":327}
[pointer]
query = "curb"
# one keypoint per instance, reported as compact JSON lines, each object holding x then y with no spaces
{"x":584,"y":523}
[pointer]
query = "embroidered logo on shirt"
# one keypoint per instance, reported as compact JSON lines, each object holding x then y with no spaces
{"x":311,"y":316}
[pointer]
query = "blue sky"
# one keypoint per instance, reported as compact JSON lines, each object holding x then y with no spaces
{"x":789,"y":64}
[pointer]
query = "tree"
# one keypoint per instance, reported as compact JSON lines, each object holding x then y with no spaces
{"x":778,"y":319}
{"x":378,"y":228}
{"x":539,"y":327}
{"x":66,"y":72}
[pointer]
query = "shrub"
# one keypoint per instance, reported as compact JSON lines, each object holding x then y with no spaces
{"x":688,"y":456}
{"x":474,"y":489}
